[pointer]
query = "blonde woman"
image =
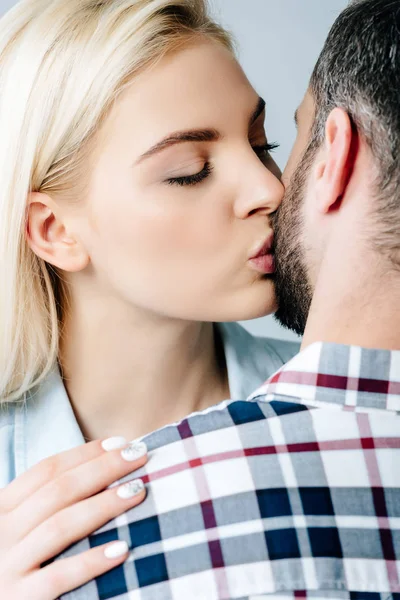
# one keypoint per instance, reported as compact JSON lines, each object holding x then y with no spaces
{"x":136,"y":194}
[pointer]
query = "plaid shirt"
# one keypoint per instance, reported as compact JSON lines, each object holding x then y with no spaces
{"x":294,"y":493}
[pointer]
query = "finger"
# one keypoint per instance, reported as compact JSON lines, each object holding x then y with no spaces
{"x":36,"y":477}
{"x":75,"y":485}
{"x":65,"y":575}
{"x":76,"y":522}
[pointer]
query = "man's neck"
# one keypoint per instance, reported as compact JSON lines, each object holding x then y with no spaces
{"x":356,"y":305}
{"x":128,"y":374}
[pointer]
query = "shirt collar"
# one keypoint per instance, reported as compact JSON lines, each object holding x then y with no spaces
{"x":45,"y":424}
{"x":348,"y":376}
{"x":249,"y":360}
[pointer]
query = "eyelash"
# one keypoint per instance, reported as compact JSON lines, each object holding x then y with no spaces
{"x":208,"y":168}
{"x":193,"y":179}
{"x":265,"y":149}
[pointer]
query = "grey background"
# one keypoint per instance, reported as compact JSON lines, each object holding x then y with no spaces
{"x":279,"y":42}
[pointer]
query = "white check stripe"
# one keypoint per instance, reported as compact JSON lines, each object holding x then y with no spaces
{"x":354,"y":374}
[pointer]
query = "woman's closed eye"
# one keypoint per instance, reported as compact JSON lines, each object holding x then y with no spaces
{"x":193,"y":179}
{"x":262,"y":152}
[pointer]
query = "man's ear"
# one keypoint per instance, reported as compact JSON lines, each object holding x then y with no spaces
{"x":48,"y":237}
{"x":337,"y":160}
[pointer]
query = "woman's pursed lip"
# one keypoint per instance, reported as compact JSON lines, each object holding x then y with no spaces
{"x":264,"y":264}
{"x":264,"y":248}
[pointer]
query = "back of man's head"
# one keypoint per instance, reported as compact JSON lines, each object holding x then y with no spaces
{"x":359,"y":71}
{"x":337,"y":231}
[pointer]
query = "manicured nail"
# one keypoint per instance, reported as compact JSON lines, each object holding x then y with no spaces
{"x":116,"y":550}
{"x":134,"y":451}
{"x":130,"y":489}
{"x":113,"y":443}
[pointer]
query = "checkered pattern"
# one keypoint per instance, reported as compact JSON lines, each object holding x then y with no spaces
{"x":296,"y":489}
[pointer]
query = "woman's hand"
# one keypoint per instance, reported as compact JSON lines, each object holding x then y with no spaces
{"x":58,"y":502}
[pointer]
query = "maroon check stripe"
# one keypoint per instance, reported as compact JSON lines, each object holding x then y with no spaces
{"x":207,"y":507}
{"x":378,"y":494}
{"x":329,"y":446}
{"x":336,"y":382}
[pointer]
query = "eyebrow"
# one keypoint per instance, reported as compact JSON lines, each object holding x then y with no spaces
{"x":296,"y":118}
{"x":195,"y":135}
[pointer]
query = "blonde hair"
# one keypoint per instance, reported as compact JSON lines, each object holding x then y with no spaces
{"x":62,"y":65}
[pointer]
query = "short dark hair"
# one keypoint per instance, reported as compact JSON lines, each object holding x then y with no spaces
{"x":359,"y":71}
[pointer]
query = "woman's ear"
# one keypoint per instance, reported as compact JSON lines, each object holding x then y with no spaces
{"x":48,"y":237}
{"x":337,"y":161}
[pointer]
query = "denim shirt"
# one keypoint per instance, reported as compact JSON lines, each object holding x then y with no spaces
{"x":45,"y":423}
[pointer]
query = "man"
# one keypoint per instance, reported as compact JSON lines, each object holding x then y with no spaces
{"x":296,"y":493}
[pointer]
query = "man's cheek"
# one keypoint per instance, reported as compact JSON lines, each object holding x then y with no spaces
{"x":293,"y":162}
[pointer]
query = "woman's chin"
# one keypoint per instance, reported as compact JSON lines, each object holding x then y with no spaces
{"x":261,"y":302}
{"x":252,"y":303}
{"x":263,"y":311}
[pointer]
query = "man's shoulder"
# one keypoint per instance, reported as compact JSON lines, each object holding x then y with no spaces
{"x":263,"y":483}
{"x":231,"y":419}
{"x":262,"y":492}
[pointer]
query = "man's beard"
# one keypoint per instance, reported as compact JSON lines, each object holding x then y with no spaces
{"x":293,"y":288}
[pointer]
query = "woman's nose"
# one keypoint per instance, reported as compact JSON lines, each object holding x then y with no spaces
{"x":261,"y":192}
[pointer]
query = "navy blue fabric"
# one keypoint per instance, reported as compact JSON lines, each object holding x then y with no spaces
{"x":282,"y":544}
{"x":151,"y":570}
{"x":274,"y":503}
{"x":113,"y":582}
{"x":145,"y":531}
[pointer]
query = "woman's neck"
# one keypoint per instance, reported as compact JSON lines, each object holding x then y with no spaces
{"x":130,"y":374}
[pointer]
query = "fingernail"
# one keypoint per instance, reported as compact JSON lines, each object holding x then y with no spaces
{"x":113,"y":443}
{"x":116,"y":550}
{"x":134,"y":451}
{"x":130,"y":489}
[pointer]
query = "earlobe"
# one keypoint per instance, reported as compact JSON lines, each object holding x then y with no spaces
{"x":334,"y":171}
{"x":48,"y":237}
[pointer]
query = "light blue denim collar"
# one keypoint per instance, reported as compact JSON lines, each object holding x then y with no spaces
{"x":45,"y":424}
